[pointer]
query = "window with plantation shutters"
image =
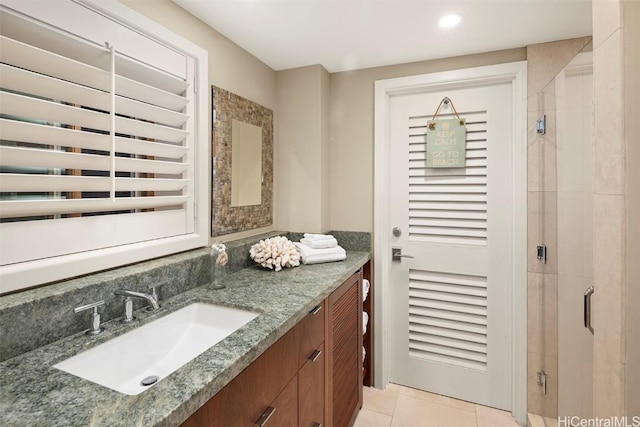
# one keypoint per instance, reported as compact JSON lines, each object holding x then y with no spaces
{"x":99,"y":148}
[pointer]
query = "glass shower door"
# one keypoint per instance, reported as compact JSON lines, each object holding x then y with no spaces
{"x":574,"y":117}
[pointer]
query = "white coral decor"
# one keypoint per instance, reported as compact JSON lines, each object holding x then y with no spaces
{"x":275,"y":253}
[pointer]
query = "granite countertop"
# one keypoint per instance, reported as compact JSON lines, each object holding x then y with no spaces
{"x":33,"y":393}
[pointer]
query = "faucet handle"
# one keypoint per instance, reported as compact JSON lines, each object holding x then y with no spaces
{"x":153,"y":287}
{"x":94,"y":327}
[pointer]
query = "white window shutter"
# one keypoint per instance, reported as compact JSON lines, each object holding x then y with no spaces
{"x":93,"y":140}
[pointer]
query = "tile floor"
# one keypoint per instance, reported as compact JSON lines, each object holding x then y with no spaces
{"x":399,"y":406}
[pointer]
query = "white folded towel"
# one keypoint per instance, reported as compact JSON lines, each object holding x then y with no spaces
{"x":316,"y":256}
{"x":365,"y":289}
{"x":365,"y":320}
{"x":320,"y":243}
{"x":312,"y":236}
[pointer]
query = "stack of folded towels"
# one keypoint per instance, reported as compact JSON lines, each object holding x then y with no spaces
{"x":319,"y":248}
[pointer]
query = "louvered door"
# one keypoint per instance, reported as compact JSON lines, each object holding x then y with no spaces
{"x":451,"y":322}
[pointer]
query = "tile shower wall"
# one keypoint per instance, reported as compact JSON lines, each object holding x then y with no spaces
{"x":545,"y":61}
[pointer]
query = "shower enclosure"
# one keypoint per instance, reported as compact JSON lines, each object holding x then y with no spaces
{"x":560,"y":345}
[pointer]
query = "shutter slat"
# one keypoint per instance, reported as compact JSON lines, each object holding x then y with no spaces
{"x":22,"y":208}
{"x":13,"y":130}
{"x":12,"y":156}
{"x":149,"y":130}
{"x":41,"y":61}
{"x":149,"y":94}
{"x":48,"y":87}
{"x":47,"y":111}
{"x":16,"y":183}
{"x":28,"y":82}
{"x":125,"y":164}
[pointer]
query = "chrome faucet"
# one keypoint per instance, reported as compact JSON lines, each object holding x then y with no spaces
{"x":128,"y":302}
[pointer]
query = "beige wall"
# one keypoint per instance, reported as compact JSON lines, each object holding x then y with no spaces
{"x":351,"y":132}
{"x":301,"y":148}
{"x":325,"y":108}
{"x":631,"y":34}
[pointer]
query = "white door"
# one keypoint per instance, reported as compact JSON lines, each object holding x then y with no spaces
{"x":450,"y":326}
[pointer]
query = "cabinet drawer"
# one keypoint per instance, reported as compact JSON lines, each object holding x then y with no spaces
{"x":283,"y":412}
{"x":311,"y":390}
{"x":310,"y":332}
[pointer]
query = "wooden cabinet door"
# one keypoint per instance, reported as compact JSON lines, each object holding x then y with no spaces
{"x":284,"y":410}
{"x":227,"y":408}
{"x":310,"y":333}
{"x":344,"y":346}
{"x":311,"y":390}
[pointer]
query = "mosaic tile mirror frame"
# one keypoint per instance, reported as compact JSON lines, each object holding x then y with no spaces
{"x":226,"y":219}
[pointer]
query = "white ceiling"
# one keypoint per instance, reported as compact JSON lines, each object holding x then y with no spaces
{"x":352,"y":34}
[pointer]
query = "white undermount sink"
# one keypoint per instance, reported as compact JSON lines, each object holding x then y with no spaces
{"x":156,"y":349}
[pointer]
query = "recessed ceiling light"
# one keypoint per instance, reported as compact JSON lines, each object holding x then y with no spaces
{"x":450,"y":20}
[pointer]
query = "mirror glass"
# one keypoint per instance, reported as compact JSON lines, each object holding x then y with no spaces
{"x":246,"y":164}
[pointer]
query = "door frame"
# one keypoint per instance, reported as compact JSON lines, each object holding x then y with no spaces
{"x":516,"y":74}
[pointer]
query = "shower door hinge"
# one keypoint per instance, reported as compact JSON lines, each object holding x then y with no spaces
{"x":542,"y":381}
{"x":541,"y":125}
{"x":542,"y":253}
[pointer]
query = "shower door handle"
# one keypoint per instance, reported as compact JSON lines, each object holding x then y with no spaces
{"x":587,"y":308}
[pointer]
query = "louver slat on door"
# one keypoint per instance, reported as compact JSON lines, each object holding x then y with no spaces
{"x":449,"y":205}
{"x":448,"y":318}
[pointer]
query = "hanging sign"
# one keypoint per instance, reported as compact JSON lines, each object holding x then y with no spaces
{"x":446,"y":140}
{"x":446,"y":143}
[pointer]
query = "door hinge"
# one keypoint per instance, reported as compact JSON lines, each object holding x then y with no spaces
{"x":541,"y":125}
{"x":542,"y":381}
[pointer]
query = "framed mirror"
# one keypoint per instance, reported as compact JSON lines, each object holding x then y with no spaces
{"x":242,"y":164}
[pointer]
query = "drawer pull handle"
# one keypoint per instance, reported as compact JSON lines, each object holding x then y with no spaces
{"x":262,"y":421}
{"x":317,"y":425}
{"x":316,"y":309}
{"x":315,"y":355}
